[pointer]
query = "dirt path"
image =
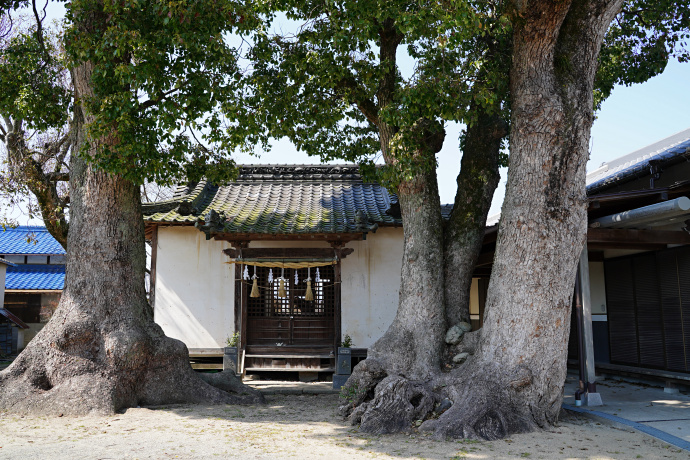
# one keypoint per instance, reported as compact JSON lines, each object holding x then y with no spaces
{"x":300,"y":427}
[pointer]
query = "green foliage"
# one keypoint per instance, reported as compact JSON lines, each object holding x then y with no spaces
{"x":181,"y":98}
{"x":350,"y":392}
{"x":161,"y":70}
{"x":640,"y":41}
{"x":335,"y":88}
{"x":34,"y":81}
{"x":347,"y":341}
{"x":233,"y":340}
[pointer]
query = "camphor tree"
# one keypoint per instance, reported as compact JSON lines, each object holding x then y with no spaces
{"x":333,"y":87}
{"x":146,"y":76}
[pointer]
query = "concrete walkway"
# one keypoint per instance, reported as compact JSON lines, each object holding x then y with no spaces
{"x":648,"y":408}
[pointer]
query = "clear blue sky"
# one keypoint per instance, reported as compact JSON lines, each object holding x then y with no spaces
{"x":632,"y":118}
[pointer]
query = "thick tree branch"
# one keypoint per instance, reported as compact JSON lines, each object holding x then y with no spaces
{"x":57,"y":176}
{"x":42,"y":185}
{"x":464,"y":231}
{"x":39,"y":25}
{"x":364,"y":104}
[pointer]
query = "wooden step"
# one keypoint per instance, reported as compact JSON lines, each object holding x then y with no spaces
{"x":207,"y":366}
{"x":289,"y":349}
{"x":206,"y":352}
{"x":289,"y":369}
{"x":280,"y":356}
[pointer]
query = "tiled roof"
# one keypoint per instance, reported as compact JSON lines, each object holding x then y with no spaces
{"x":637,"y":162}
{"x":40,"y":242}
{"x":282,"y":200}
{"x":35,"y":277}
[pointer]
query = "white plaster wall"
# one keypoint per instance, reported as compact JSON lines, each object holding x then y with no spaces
{"x":195,"y":290}
{"x":195,"y":287}
{"x":370,"y":285}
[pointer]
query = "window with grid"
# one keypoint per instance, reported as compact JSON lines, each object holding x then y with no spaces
{"x":269,"y":304}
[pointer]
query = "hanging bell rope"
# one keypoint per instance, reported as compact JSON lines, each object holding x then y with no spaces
{"x":309,"y":295}
{"x":281,"y":284}
{"x":255,"y":286}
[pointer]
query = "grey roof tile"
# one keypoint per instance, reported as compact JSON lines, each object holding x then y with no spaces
{"x":283,"y":200}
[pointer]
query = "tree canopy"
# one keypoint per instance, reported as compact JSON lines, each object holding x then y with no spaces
{"x":350,"y":68}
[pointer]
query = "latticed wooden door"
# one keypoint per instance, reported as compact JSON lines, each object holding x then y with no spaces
{"x":292,"y":320}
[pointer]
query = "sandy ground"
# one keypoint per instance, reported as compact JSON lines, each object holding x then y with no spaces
{"x":299,"y":427}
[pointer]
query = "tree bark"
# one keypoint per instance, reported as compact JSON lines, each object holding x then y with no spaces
{"x":464,"y":231}
{"x":101,"y":351}
{"x":514,"y":380}
{"x":389,"y":388}
{"x":518,"y":371}
{"x":412,"y":344}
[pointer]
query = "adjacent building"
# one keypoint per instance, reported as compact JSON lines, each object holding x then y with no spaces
{"x":293,"y":258}
{"x":35,"y":280}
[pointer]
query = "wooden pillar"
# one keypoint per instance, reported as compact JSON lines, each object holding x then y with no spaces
{"x":240,"y":299}
{"x":587,"y":336}
{"x":338,"y":248}
{"x":152,"y":274}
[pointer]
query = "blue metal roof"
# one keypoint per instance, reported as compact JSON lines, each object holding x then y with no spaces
{"x":35,"y":277}
{"x":40,"y":242}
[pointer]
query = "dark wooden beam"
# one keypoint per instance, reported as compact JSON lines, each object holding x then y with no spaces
{"x":481,"y":272}
{"x":619,"y":236}
{"x":490,"y":234}
{"x":287,"y":253}
{"x":659,"y":194}
{"x":640,"y":246}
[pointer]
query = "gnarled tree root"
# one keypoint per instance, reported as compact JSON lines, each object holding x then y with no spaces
{"x":460,"y":404}
{"x":80,"y":369}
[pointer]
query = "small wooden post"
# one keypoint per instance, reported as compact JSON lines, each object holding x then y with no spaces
{"x":152,"y":275}
{"x":593,"y":397}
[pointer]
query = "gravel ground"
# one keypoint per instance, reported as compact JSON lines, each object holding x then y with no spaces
{"x":293,"y":426}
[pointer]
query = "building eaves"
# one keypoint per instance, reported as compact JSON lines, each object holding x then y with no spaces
{"x":6,"y":262}
{"x":637,"y":164}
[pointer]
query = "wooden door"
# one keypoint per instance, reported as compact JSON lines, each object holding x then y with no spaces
{"x":292,"y":321}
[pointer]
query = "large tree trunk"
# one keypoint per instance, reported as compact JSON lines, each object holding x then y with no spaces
{"x":101,"y":350}
{"x":514,"y":380}
{"x":411,"y":345}
{"x":410,"y":352}
{"x":464,"y":231}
